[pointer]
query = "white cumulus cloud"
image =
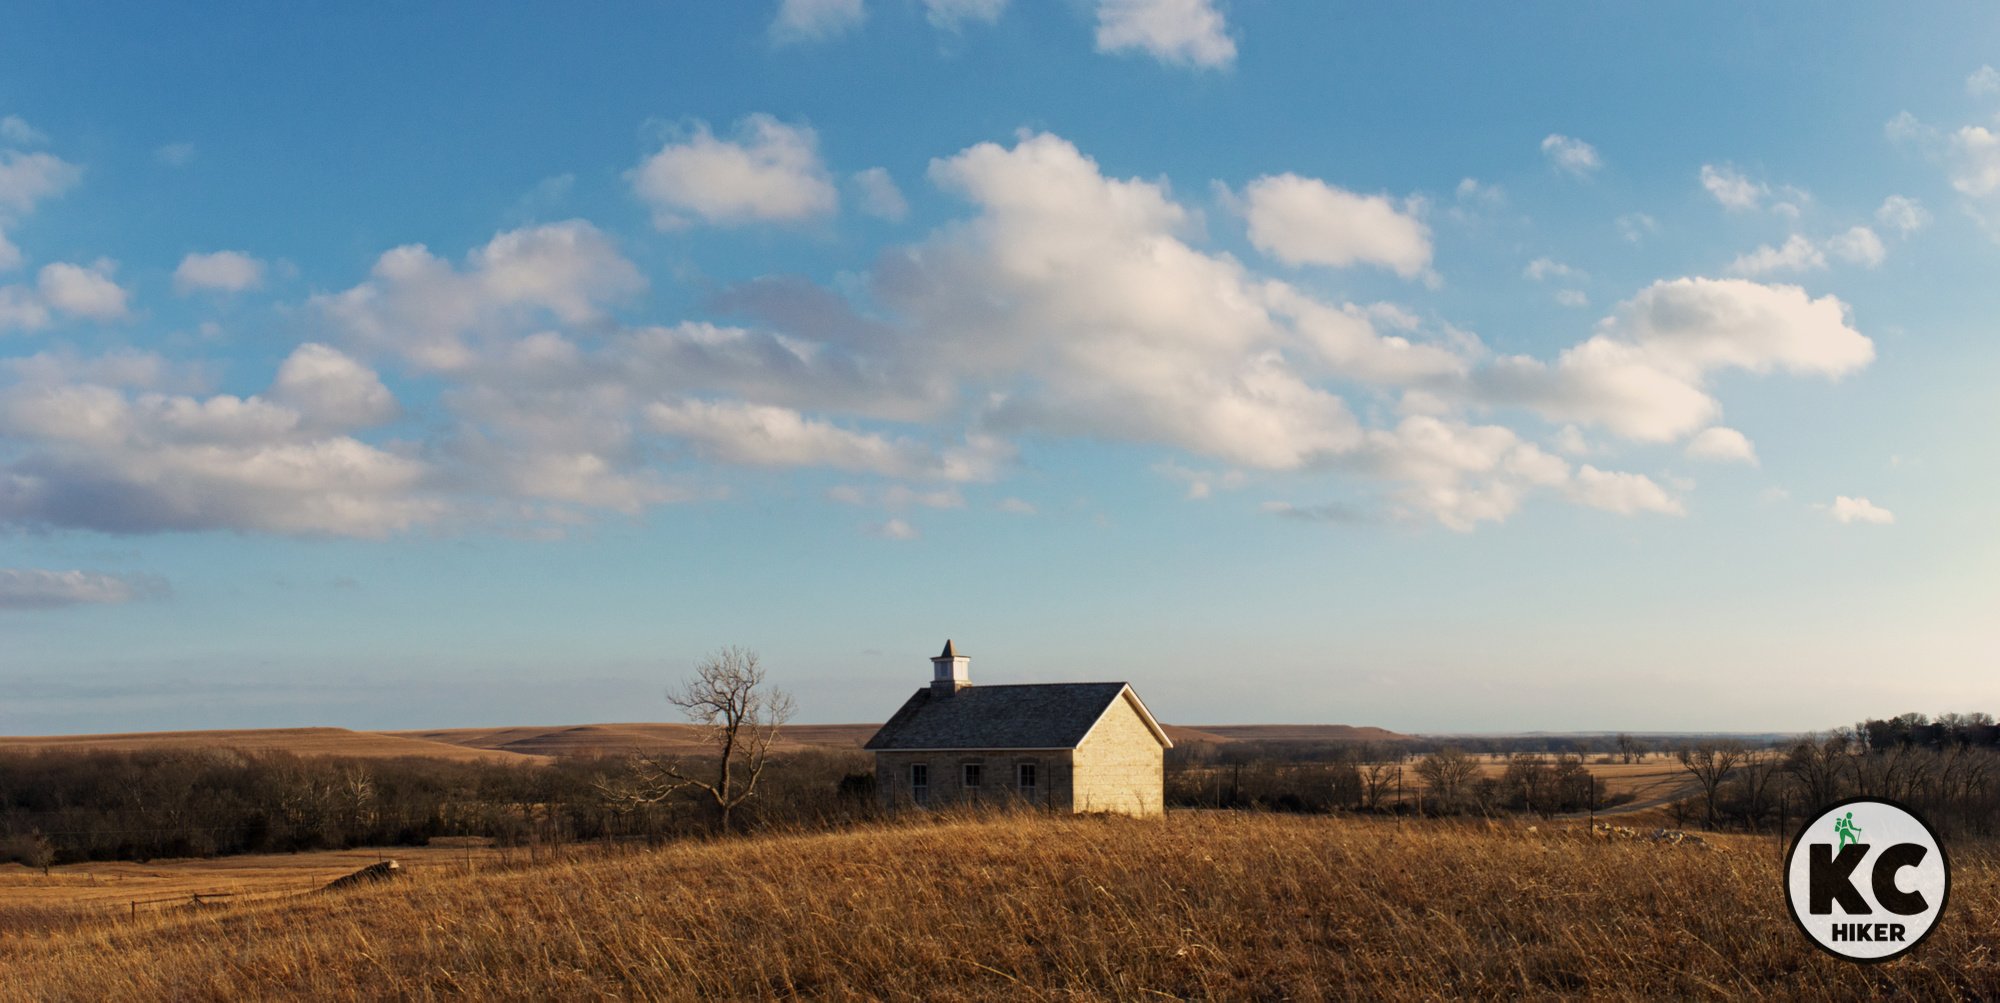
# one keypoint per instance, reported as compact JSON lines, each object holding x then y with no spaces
{"x":1548,"y":268}
{"x":82,"y":291}
{"x":1644,"y":374}
{"x":1571,"y":156}
{"x":1849,"y":511}
{"x":1983,"y":81}
{"x":222,"y":271}
{"x":1797,"y":254}
{"x":1307,"y":221}
{"x":1622,"y":492}
{"x":1975,"y":151}
{"x":769,"y":436}
{"x":1076,"y":289}
{"x":1858,"y":246}
{"x":1723,"y":445}
{"x":1182,"y":32}
{"x":102,"y":458}
{"x":1729,"y":187}
{"x":770,"y":172}
{"x":420,"y":307}
{"x":328,"y":387}
{"x":1970,"y":156}
{"x":1061,"y":303}
{"x":1902,"y":214}
{"x":815,"y":20}
{"x":29,"y":178}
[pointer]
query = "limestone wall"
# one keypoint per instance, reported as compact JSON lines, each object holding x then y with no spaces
{"x":1120,"y":766}
{"x":999,"y":778}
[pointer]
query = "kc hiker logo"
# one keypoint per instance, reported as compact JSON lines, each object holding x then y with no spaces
{"x":1866,"y":879}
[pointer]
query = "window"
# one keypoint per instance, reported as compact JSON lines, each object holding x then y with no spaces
{"x":972,"y":771}
{"x":920,"y":782}
{"x":1024,"y":777}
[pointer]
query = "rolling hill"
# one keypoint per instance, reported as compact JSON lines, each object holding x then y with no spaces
{"x":1287,"y":733}
{"x":537,"y":743}
{"x":298,"y":741}
{"x":600,"y":739}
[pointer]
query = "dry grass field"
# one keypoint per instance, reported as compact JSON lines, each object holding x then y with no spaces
{"x":1654,"y":780}
{"x":1201,"y":905}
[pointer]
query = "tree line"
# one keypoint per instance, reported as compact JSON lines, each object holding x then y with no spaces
{"x":63,"y":806}
{"x":1947,"y":769}
{"x":1375,"y":777}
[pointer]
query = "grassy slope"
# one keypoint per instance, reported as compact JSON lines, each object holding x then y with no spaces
{"x":90,"y":889}
{"x":1201,"y":905}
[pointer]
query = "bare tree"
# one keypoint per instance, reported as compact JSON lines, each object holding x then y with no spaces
{"x":1711,"y":763}
{"x":1448,"y":772}
{"x":32,"y":850}
{"x":1817,"y":763}
{"x":1755,"y":782}
{"x":740,"y":717}
{"x":1528,"y":778}
{"x":1376,"y":780}
{"x":1629,"y":748}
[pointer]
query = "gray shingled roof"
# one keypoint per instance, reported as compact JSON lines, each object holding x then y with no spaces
{"x":1042,"y":716}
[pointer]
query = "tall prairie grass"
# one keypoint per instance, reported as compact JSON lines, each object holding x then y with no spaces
{"x":1195,"y":906}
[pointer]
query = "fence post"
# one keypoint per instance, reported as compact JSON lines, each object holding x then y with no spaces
{"x":1784,"y":823}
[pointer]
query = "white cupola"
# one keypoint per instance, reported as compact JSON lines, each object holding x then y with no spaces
{"x":951,"y":671}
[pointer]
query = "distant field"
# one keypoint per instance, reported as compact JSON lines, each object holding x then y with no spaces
{"x":1655,"y":779}
{"x":298,"y":741}
{"x":1200,"y":905}
{"x":534,"y":743}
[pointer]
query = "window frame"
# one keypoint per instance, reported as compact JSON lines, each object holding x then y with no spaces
{"x":1028,"y":778}
{"x":920,"y":791}
{"x":971,"y":776}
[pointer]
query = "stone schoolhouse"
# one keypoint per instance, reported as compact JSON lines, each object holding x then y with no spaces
{"x":1069,"y":747}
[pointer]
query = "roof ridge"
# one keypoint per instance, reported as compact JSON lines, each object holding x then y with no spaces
{"x":1004,"y":716}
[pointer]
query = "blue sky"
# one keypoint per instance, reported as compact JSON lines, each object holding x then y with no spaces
{"x":1541,"y":368}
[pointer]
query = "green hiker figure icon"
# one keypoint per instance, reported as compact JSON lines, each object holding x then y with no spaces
{"x":1845,"y":829}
